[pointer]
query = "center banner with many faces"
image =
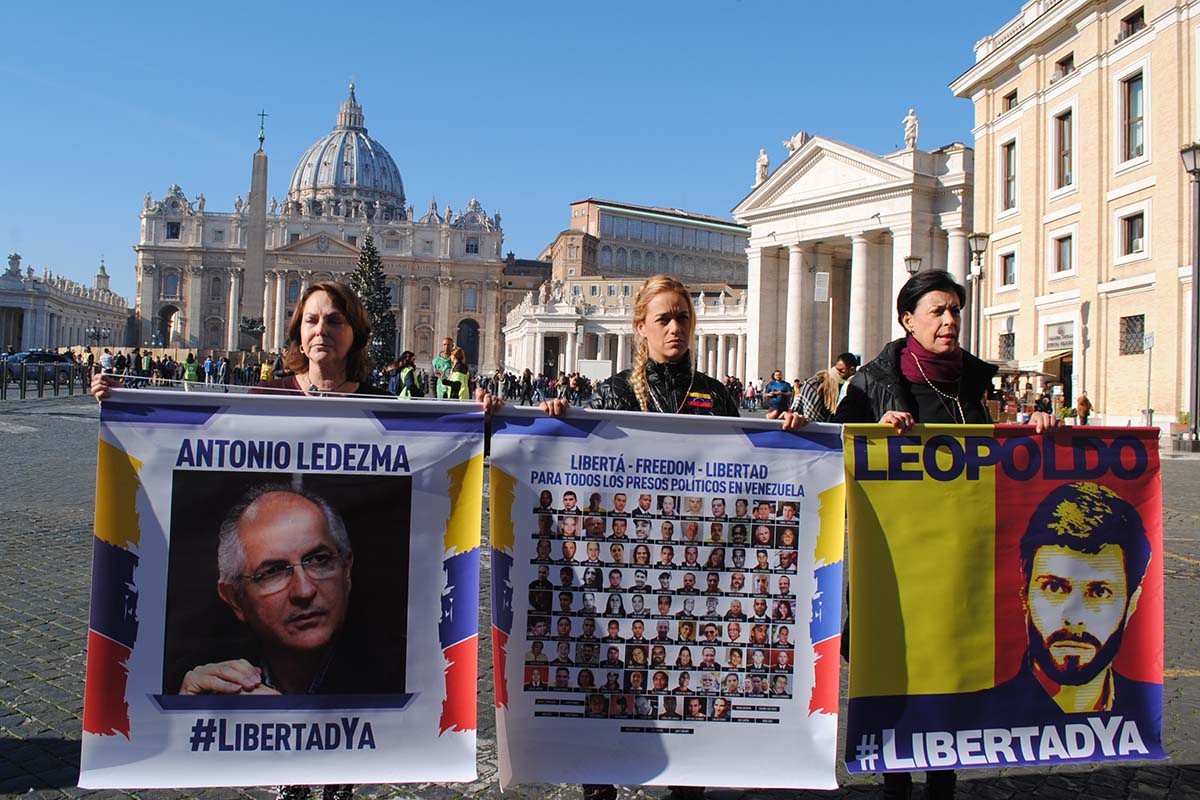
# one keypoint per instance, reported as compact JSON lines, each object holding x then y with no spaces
{"x":284,"y":591}
{"x":660,"y":583}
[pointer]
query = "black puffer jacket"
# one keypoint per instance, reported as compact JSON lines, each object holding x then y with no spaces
{"x":670,"y":386}
{"x":880,"y":387}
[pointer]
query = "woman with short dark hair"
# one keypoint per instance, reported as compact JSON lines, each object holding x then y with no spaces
{"x":924,"y":377}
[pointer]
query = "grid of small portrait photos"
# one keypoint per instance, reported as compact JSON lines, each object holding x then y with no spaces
{"x":661,"y":606}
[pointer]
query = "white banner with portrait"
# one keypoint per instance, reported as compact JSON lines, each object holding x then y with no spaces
{"x":285,"y":591}
{"x":665,"y":586}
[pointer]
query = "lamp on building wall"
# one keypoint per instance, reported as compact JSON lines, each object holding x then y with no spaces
{"x":912,"y":264}
{"x":1191,"y":163}
{"x":978,"y":243}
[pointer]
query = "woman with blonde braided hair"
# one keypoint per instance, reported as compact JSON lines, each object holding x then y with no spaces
{"x":663,"y":380}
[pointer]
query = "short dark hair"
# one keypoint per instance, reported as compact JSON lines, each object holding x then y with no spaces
{"x":849,"y":359}
{"x":921,"y":284}
{"x":1085,"y":517}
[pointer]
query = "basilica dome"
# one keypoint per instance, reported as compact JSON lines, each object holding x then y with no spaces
{"x":347,"y":167}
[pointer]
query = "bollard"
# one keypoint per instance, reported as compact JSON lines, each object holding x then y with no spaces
{"x":41,"y":381}
{"x":22,"y":379}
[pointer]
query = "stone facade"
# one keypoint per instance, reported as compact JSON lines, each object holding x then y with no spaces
{"x":591,"y":319}
{"x":445,"y":271}
{"x":46,"y":312}
{"x":615,"y":239}
{"x":1081,"y":109}
{"x":830,"y":230}
{"x":585,"y":313}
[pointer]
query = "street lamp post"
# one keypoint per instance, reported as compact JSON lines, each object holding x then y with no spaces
{"x":978,"y":243}
{"x":97,"y":333}
{"x":1191,"y":163}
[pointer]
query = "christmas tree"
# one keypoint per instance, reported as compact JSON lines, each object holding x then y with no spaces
{"x":369,"y":285}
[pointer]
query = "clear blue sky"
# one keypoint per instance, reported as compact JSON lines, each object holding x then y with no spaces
{"x":524,"y":105}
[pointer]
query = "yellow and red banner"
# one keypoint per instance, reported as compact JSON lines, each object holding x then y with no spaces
{"x":1006,"y":596}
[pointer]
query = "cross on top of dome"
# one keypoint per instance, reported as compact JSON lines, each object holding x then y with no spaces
{"x":351,"y":116}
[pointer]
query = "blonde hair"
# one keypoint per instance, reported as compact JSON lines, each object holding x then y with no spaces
{"x":827,"y":382}
{"x":654,"y":286}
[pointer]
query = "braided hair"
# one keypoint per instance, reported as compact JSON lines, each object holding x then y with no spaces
{"x":654,"y":286}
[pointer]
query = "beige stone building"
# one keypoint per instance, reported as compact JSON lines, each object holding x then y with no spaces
{"x":205,"y":276}
{"x":1081,"y":108}
{"x":582,"y":319}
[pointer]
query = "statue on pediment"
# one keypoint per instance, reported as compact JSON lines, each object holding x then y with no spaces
{"x":912,"y":127}
{"x":200,"y":202}
{"x":274,"y":205}
{"x":14,"y":266}
{"x":238,"y":204}
{"x":148,"y":201}
{"x":796,"y":142}
{"x":762,"y":167}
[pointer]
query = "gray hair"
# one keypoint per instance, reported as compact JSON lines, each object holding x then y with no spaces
{"x":231,"y":555}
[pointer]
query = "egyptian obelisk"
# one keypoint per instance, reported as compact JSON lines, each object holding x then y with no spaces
{"x":254,"y":281}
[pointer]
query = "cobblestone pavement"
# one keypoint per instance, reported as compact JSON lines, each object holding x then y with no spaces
{"x":48,"y":447}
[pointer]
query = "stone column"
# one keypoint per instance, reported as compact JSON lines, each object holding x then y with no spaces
{"x":441,"y":323}
{"x":902,"y":245}
{"x":573,"y":350}
{"x":958,"y":256}
{"x":622,"y":356}
{"x":701,"y":351}
{"x":405,"y":321}
{"x":268,"y":311}
{"x":754,"y":307}
{"x":233,"y":327}
{"x":487,"y":355}
{"x":741,"y":356}
{"x":278,"y":325}
{"x":859,"y":294}
{"x":194,"y":295}
{"x":792,"y":326}
{"x":539,"y":352}
{"x":722,"y":355}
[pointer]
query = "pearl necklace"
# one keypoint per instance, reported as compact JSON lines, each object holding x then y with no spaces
{"x":942,"y":396}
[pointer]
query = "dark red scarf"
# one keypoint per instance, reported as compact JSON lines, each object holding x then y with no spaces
{"x":943,"y":369}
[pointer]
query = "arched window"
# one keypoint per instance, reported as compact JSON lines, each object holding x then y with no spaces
{"x":606,"y":256}
{"x":470,"y":298}
{"x":214,"y":289}
{"x":424,"y":297}
{"x":635,"y":259}
{"x":621,"y":260}
{"x":423,"y":340}
{"x":393,"y":294}
{"x":171,"y":284}
{"x":293,"y":290}
{"x":664,"y":262}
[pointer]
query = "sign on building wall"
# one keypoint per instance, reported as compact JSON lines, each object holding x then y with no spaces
{"x":1060,"y":336}
{"x":285,"y":591}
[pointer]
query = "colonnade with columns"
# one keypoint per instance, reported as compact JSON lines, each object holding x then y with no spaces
{"x":808,"y":301}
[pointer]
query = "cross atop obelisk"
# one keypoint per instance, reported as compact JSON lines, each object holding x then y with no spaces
{"x":262,"y":132}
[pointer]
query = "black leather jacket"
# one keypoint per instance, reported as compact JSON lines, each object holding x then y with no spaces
{"x":880,"y":387}
{"x":670,"y":385}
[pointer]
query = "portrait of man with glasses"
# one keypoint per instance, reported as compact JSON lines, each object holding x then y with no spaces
{"x":284,"y":566}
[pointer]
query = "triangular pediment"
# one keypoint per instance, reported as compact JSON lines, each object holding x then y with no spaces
{"x":821,"y":170}
{"x":321,"y":244}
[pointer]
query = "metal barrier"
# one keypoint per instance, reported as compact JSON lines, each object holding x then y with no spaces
{"x":77,"y":377}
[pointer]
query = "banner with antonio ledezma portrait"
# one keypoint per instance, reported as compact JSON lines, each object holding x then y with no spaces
{"x":663,"y":586}
{"x":284,"y":591}
{"x":1006,"y":597}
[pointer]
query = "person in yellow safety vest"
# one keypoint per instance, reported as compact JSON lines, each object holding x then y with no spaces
{"x":265,"y":371}
{"x":459,"y":380}
{"x":191,"y":371}
{"x":408,"y":376}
